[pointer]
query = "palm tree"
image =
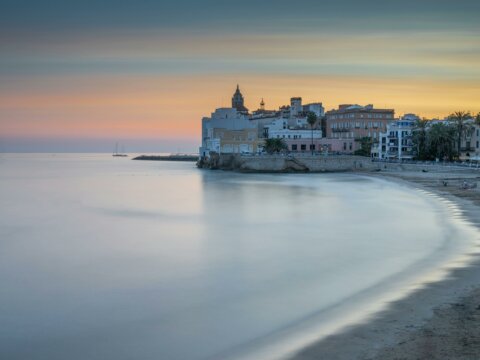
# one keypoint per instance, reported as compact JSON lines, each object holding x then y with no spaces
{"x":420,"y":138}
{"x":311,"y":119}
{"x":462,"y":128}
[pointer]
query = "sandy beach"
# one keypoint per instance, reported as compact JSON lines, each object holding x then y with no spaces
{"x":440,"y":321}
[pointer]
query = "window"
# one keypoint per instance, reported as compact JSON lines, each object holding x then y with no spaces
{"x":294,"y":147}
{"x":344,"y":146}
{"x":303,"y":147}
{"x":478,"y":143}
{"x":312,"y":146}
{"x":350,"y":146}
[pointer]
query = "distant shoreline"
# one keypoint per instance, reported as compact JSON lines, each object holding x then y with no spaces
{"x":440,"y":321}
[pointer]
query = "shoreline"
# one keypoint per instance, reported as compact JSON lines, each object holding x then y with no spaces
{"x":438,"y":321}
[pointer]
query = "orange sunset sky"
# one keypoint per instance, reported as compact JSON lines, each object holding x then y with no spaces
{"x":72,"y":79}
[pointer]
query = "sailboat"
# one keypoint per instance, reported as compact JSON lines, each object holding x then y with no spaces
{"x":116,"y":153}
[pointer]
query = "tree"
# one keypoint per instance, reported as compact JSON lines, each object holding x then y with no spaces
{"x":420,"y":139}
{"x":311,"y":119}
{"x":462,"y":128}
{"x":365,"y":146}
{"x":441,"y":141}
{"x":477,"y":119}
{"x":274,"y":145}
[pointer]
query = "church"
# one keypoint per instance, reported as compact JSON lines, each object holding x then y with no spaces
{"x":238,"y":102}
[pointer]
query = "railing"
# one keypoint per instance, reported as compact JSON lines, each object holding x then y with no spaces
{"x":471,"y":164}
{"x":299,"y":153}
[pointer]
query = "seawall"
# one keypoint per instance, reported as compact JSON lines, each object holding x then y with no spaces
{"x":314,"y":163}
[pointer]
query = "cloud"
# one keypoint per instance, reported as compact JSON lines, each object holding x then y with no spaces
{"x":154,"y":68}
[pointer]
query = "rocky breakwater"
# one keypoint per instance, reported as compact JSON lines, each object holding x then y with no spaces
{"x":286,"y":163}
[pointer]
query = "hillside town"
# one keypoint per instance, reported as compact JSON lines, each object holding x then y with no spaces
{"x":350,"y":129}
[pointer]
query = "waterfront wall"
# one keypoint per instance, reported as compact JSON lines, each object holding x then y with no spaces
{"x":315,"y":163}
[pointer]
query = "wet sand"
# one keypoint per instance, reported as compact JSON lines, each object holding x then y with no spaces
{"x":440,"y":321}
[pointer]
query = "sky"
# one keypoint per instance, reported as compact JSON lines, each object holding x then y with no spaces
{"x":83,"y":75}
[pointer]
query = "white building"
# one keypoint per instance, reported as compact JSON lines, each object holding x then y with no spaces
{"x":396,"y":143}
{"x":316,"y":108}
{"x":223,"y":118}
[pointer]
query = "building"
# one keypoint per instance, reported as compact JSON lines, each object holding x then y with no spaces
{"x":476,"y":144}
{"x":235,"y":130}
{"x":397,"y":142}
{"x":296,"y":107}
{"x":294,"y":128}
{"x":470,"y":145}
{"x":244,"y":141}
{"x":353,"y":122}
{"x":238,"y":102}
{"x":299,"y":139}
{"x":316,"y":108}
{"x":230,"y":130}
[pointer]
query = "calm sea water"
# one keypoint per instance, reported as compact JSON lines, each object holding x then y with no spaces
{"x":106,"y":258}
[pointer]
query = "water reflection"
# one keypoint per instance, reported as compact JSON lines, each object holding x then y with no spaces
{"x":104,"y":259}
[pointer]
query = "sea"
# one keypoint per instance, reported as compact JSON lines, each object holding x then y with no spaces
{"x":109,"y":258}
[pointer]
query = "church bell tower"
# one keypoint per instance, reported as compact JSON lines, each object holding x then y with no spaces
{"x":238,"y":102}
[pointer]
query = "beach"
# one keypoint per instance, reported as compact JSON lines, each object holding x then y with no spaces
{"x":439,"y":321}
